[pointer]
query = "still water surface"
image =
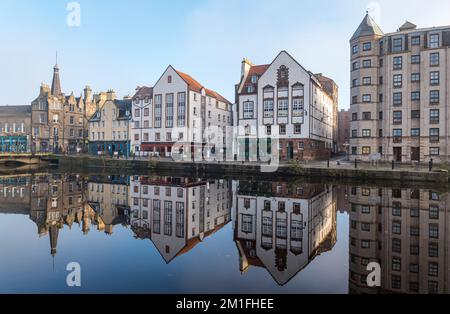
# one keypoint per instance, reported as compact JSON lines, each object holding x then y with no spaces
{"x":141,"y":234}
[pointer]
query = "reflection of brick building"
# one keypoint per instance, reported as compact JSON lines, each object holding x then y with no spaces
{"x":283,"y":228}
{"x":406,"y":231}
{"x":176,"y":214}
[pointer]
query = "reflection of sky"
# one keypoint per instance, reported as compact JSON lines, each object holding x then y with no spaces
{"x":120,"y":263}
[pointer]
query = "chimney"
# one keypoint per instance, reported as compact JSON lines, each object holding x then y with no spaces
{"x":246,"y":65}
{"x":87,"y":94}
{"x":110,"y":95}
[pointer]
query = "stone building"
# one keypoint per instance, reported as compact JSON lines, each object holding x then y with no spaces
{"x":59,"y":122}
{"x":15,"y":129}
{"x":399,"y":93}
{"x":109,"y":127}
{"x":284,"y":98}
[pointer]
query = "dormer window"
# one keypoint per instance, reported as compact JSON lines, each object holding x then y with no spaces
{"x":169,"y":79}
{"x":250,"y":89}
{"x":136,"y":101}
{"x":254,"y":79}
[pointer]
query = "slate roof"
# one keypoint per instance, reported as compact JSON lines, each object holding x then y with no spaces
{"x":368,"y":27}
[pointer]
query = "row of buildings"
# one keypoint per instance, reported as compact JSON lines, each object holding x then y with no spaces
{"x":398,"y":109}
{"x":178,"y":115}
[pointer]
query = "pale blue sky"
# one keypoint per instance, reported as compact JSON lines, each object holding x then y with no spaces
{"x":123,"y":44}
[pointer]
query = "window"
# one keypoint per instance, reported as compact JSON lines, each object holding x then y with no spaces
{"x":415,"y":132}
{"x":434,"y":212}
{"x":355,"y":49}
{"x":181,"y":110}
{"x":434,"y":116}
{"x":415,"y":40}
{"x":268,"y":129}
{"x":366,"y":150}
{"x":434,"y":231}
{"x":433,"y":269}
{"x":355,"y":65}
{"x":415,"y":77}
{"x":365,"y":244}
{"x":398,"y":80}
{"x":169,"y":111}
{"x":434,"y":59}
{"x":433,"y":287}
{"x":366,"y":133}
{"x":414,"y":268}
{"x":283,"y":106}
{"x":254,"y":79}
{"x":169,"y":79}
{"x":367,"y":98}
{"x":397,"y":117}
{"x":283,"y":129}
{"x":365,"y":209}
{"x":397,"y":99}
{"x":367,"y":80}
{"x":415,"y":59}
{"x":297,"y":128}
{"x":433,"y":249}
{"x":367,"y":46}
{"x":248,"y":110}
{"x":434,"y":97}
{"x":415,"y":96}
{"x":398,"y":63}
{"x":434,"y":151}
{"x":434,"y":78}
{"x":367,"y":63}
{"x":268,"y":108}
{"x":396,"y":264}
{"x":137,"y":113}
{"x":396,"y":245}
{"x":434,"y":135}
{"x":397,"y":45}
{"x":434,"y":41}
{"x":415,"y":114}
{"x":158,"y":110}
{"x":397,"y":135}
{"x":396,"y":227}
{"x":366,"y":116}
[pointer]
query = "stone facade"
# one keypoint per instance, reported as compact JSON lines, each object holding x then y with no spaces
{"x":399,"y":94}
{"x":15,"y":129}
{"x":59,"y":122}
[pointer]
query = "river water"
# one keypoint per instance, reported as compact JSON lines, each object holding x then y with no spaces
{"x":170,"y":234}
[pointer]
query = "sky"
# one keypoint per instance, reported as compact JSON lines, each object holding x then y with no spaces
{"x":121,"y":44}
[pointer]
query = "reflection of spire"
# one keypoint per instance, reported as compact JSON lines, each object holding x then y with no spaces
{"x":53,"y":233}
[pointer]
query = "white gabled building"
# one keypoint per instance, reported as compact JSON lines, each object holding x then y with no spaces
{"x":284,"y":95}
{"x":180,"y":110}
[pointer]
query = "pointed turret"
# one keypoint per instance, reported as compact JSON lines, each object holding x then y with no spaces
{"x":56,"y":83}
{"x":368,"y":27}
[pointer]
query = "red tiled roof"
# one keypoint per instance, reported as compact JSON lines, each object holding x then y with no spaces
{"x":257,"y":70}
{"x":197,"y":87}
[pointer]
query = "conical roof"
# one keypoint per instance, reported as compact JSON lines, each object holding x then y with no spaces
{"x":368,"y":27}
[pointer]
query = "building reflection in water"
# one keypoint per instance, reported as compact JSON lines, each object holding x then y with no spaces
{"x":406,"y":231}
{"x":278,"y":226}
{"x":176,"y":213}
{"x":283,"y":227}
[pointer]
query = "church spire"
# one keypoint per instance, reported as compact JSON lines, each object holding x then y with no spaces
{"x":56,"y":83}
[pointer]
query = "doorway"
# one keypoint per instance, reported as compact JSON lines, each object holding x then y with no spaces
{"x":415,"y":154}
{"x":397,"y":154}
